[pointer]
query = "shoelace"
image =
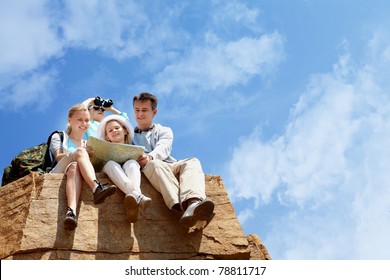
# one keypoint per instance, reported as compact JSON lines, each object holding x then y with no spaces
{"x":101,"y":185}
{"x":70,"y":213}
{"x":141,"y":198}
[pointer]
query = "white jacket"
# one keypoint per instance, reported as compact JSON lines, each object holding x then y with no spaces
{"x":161,"y":141}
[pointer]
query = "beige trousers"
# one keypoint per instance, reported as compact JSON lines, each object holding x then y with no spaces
{"x":177,"y":181}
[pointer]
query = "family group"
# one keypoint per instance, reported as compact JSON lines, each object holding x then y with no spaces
{"x":180,"y":182}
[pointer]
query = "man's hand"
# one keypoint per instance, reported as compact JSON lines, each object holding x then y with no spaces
{"x":144,"y":160}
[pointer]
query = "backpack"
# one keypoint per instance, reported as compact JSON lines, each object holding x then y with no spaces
{"x":34,"y":159}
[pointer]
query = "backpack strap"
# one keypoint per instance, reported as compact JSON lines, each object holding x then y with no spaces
{"x":60,"y":132}
{"x":49,"y":162}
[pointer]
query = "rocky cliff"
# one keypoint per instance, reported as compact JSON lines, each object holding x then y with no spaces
{"x":32,"y":211}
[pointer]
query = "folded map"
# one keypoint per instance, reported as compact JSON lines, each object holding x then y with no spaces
{"x":104,"y":151}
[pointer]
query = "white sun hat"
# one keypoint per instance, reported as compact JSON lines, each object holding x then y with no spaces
{"x":102,"y":126}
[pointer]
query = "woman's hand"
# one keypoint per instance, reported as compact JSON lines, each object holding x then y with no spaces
{"x":90,"y":151}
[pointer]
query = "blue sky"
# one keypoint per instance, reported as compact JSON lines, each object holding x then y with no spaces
{"x":288,"y":101}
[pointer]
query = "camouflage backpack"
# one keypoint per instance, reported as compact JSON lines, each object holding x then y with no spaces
{"x":34,"y":159}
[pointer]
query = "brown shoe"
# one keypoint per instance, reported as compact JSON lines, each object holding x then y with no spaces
{"x":131,"y":208}
{"x":70,"y":222}
{"x":102,"y":192}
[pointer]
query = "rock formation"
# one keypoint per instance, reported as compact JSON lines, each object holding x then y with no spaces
{"x":32,"y":210}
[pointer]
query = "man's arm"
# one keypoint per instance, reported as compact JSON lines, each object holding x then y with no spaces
{"x":162,"y":149}
{"x":163,"y":144}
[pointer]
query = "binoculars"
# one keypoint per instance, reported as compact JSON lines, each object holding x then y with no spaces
{"x":103,"y":102}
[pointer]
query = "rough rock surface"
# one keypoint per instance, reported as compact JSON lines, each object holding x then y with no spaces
{"x":32,"y":210}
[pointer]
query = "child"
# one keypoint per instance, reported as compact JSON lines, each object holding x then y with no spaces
{"x":117,"y":129}
{"x":73,"y":160}
{"x":97,"y":107}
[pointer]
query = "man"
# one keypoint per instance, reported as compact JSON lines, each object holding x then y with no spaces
{"x":180,"y":182}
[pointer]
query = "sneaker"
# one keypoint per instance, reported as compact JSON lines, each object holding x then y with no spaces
{"x":131,"y":208}
{"x":70,"y":221}
{"x":102,"y":191}
{"x":198,"y":210}
{"x":143,"y":201}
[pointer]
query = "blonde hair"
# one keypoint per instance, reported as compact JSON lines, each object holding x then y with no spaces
{"x":126,"y":138}
{"x":72,"y":110}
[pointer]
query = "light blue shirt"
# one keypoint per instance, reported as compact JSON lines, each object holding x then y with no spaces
{"x":143,"y":139}
{"x":92,"y":130}
{"x":71,"y":146}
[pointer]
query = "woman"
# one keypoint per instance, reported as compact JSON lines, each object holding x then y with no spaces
{"x":73,"y":160}
{"x":117,"y":129}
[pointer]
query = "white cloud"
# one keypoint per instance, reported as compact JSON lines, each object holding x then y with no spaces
{"x":28,"y":41}
{"x":34,"y":91}
{"x":33,"y":33}
{"x":123,"y":29}
{"x":115,"y":28}
{"x":329,"y":168}
{"x":28,"y":37}
{"x":234,"y":12}
{"x":245,"y":215}
{"x":220,"y":65}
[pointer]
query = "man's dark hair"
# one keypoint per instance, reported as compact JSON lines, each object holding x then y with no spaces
{"x":145,"y":96}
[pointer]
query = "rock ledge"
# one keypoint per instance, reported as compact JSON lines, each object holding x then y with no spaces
{"x":32,"y":210}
